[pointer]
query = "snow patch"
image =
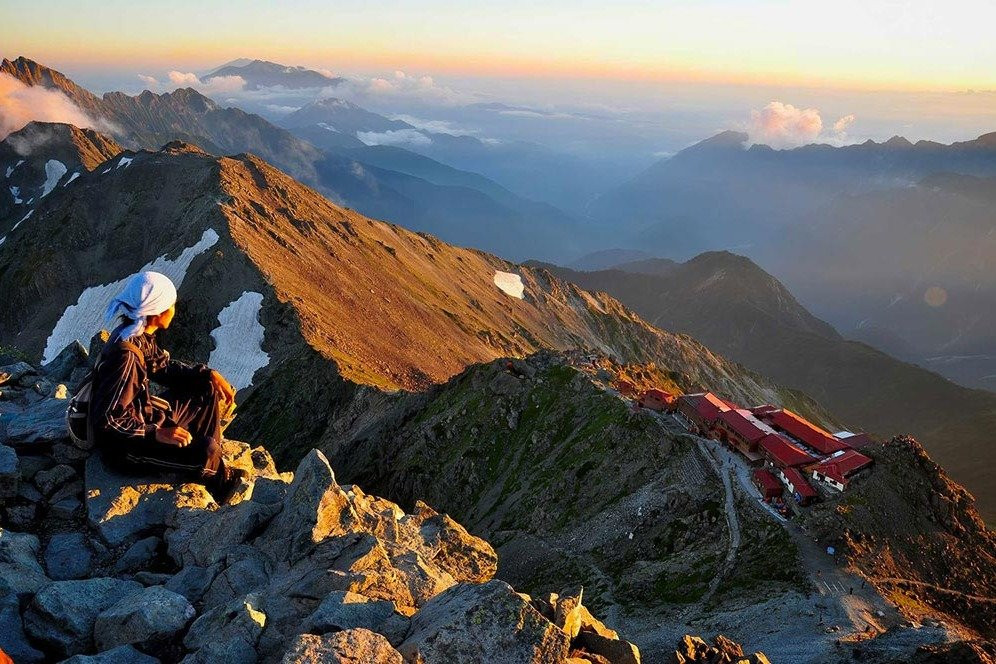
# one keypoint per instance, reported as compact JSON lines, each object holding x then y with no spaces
{"x":23,"y":219}
{"x":85,"y":318}
{"x":71,"y":178}
{"x":54,"y":170}
{"x":10,"y":169}
{"x":327,"y":127}
{"x":106,"y":171}
{"x":509,"y":282}
{"x":238,"y":341}
{"x":16,"y":192}
{"x":2,"y":240}
{"x":125,"y":161}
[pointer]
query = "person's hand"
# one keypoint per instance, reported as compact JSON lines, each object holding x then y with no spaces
{"x":222,"y":386}
{"x":173,"y":436}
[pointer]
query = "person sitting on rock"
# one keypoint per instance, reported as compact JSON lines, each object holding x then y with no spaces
{"x":179,"y":430}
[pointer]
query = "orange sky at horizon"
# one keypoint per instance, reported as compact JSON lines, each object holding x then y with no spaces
{"x":884,"y":45}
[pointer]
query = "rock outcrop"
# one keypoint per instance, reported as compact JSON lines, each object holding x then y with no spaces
{"x":294,"y":567}
{"x":722,"y":650}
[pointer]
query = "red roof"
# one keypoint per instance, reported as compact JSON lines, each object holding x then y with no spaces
{"x":764,"y":410}
{"x":798,"y":481}
{"x":841,"y":467}
{"x":658,"y":394}
{"x":807,"y":432}
{"x":783,"y":452}
{"x":856,"y":440}
{"x":767,"y":481}
{"x":745,"y":424}
{"x":707,"y":405}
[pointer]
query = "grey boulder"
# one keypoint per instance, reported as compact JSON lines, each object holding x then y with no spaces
{"x":151,"y":615}
{"x":20,"y":570}
{"x":62,"y":615}
{"x":351,"y":646}
{"x":489,"y":622}
{"x":68,"y":557}
{"x":119,"y":655}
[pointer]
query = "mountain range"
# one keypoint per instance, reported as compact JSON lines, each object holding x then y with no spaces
{"x":320,"y":315}
{"x":891,"y":242}
{"x":427,"y":370}
{"x":424,"y":195}
{"x":265,"y":74}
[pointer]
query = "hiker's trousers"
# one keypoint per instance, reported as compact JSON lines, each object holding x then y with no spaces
{"x":195,"y":407}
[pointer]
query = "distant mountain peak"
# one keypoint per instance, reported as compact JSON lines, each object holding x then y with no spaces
{"x":898,"y":142}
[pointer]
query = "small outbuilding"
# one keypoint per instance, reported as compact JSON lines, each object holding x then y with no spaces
{"x":767,"y":484}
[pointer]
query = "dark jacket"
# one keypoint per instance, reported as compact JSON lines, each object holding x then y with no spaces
{"x":121,"y":410}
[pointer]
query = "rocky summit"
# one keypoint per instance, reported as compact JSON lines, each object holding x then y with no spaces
{"x":100,"y":566}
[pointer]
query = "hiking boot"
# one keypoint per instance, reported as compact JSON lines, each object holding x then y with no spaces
{"x":226,"y":483}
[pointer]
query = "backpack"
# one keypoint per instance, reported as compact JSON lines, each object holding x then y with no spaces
{"x":78,"y":413}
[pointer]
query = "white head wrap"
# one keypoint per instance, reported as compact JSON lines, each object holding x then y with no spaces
{"x":146,"y":294}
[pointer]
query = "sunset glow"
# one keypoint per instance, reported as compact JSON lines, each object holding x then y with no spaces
{"x":858,"y":45}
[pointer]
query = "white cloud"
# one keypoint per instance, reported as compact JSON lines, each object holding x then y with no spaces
{"x":435,"y":126}
{"x":281,"y":110}
{"x":21,"y":104}
{"x":216,"y":85}
{"x":400,"y":85}
{"x":841,"y":126}
{"x":783,"y":125}
{"x":394,"y":137}
{"x":151,"y":82}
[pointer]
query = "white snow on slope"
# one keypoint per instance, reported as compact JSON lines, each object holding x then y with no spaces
{"x":238,"y":341}
{"x":10,"y":169}
{"x":2,"y":240}
{"x":125,"y":161}
{"x":106,"y":171}
{"x":16,"y":192}
{"x":71,"y":178}
{"x":23,"y":219}
{"x":54,"y":170}
{"x":510,"y":283}
{"x":85,"y":318}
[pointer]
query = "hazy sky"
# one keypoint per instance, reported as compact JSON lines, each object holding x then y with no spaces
{"x":918,"y":44}
{"x":646,"y":78}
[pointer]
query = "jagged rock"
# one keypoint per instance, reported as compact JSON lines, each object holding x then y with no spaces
{"x":346,"y":610}
{"x":351,"y":646}
{"x":206,"y":537}
{"x":151,"y":578}
{"x":590,"y":623}
{"x":240,"y":576}
{"x":119,"y":655}
{"x":22,"y":516}
{"x":68,"y":557}
{"x":227,"y":633}
{"x":74,"y":355}
{"x":61,"y":616}
{"x":138,"y":555}
{"x":10,"y":474}
{"x":486,"y":623}
{"x":694,"y":649}
{"x":269,"y":490}
{"x":48,"y":481}
{"x":463,"y":556}
{"x":424,"y":581}
{"x":31,"y":464}
{"x":122,"y":506}
{"x":567,"y":615}
{"x":150,"y":615}
{"x":13,"y":373}
{"x":614,"y":650}
{"x":68,"y":453}
{"x":314,"y":508}
{"x":66,"y":509}
{"x":193,"y":581}
{"x":13,"y":640}
{"x":19,"y":567}
{"x":37,"y":425}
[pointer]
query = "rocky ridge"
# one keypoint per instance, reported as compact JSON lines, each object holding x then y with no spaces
{"x":295,"y":568}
